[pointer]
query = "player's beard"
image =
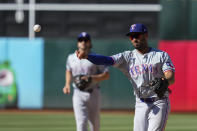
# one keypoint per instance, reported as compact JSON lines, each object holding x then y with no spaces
{"x":86,"y":50}
{"x":84,"y":46}
{"x":139,"y":46}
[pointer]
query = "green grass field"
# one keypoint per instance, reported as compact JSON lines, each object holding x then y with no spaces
{"x":64,"y":121}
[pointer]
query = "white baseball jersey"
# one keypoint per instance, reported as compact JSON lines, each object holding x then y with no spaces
{"x":86,"y":105}
{"x":83,"y":67}
{"x":143,"y":68}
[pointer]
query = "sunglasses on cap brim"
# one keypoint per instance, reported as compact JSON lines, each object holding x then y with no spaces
{"x":83,"y":39}
{"x":136,"y":35}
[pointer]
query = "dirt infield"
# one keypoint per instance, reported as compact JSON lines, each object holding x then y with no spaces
{"x":103,"y":111}
{"x":60,"y":111}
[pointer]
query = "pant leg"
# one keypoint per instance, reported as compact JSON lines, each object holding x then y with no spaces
{"x":94,"y":110}
{"x":159,"y":115}
{"x":80,"y":109}
{"x":140,"y":118}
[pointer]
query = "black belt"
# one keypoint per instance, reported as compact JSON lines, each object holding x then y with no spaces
{"x":151,"y":100}
{"x":90,"y":90}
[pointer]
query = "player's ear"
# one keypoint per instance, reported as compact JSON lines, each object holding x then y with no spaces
{"x":130,"y":38}
{"x":90,"y":44}
{"x":146,"y":35}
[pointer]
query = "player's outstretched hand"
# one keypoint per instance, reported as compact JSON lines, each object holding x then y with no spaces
{"x":81,"y":54}
{"x":66,"y":90}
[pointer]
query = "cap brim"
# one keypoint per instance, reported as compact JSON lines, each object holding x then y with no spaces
{"x":88,"y":38}
{"x":130,"y":33}
{"x":84,"y":37}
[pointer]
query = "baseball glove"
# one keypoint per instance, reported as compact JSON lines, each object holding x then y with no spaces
{"x":82,"y":81}
{"x":160,"y":86}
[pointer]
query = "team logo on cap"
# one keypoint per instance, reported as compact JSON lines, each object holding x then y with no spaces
{"x":133,"y":27}
{"x":83,"y":34}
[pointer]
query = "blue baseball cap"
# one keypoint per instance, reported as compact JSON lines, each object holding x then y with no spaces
{"x":83,"y":35}
{"x":137,"y":28}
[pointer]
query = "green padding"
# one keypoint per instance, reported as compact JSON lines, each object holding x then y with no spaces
{"x":174,"y":19}
{"x":56,"y":52}
{"x":178,"y":19}
{"x":193,"y":19}
{"x":117,"y":92}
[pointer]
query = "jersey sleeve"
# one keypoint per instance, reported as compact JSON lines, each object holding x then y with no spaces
{"x":68,"y":66}
{"x":102,"y":68}
{"x":121,"y":62}
{"x":118,"y":59}
{"x":167,"y":63}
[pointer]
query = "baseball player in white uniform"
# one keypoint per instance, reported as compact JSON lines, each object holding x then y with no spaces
{"x":142,"y":66}
{"x":86,"y":102}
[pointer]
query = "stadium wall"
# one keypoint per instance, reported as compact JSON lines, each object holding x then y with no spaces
{"x":183,"y":55}
{"x":21,"y":68}
{"x":38,"y":67}
{"x":117,"y":92}
{"x":178,"y":37}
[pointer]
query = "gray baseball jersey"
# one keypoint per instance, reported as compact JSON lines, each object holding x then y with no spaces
{"x":143,"y":68}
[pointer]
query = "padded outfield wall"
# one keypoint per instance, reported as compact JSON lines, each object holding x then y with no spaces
{"x":38,"y":69}
{"x":178,"y":37}
{"x":117,"y":92}
{"x":21,"y":73}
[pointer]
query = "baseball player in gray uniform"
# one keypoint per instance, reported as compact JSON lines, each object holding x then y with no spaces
{"x":86,"y":100}
{"x":150,"y":72}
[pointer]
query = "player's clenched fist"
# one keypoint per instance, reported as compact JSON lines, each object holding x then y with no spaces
{"x":66,"y":90}
{"x":81,"y":54}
